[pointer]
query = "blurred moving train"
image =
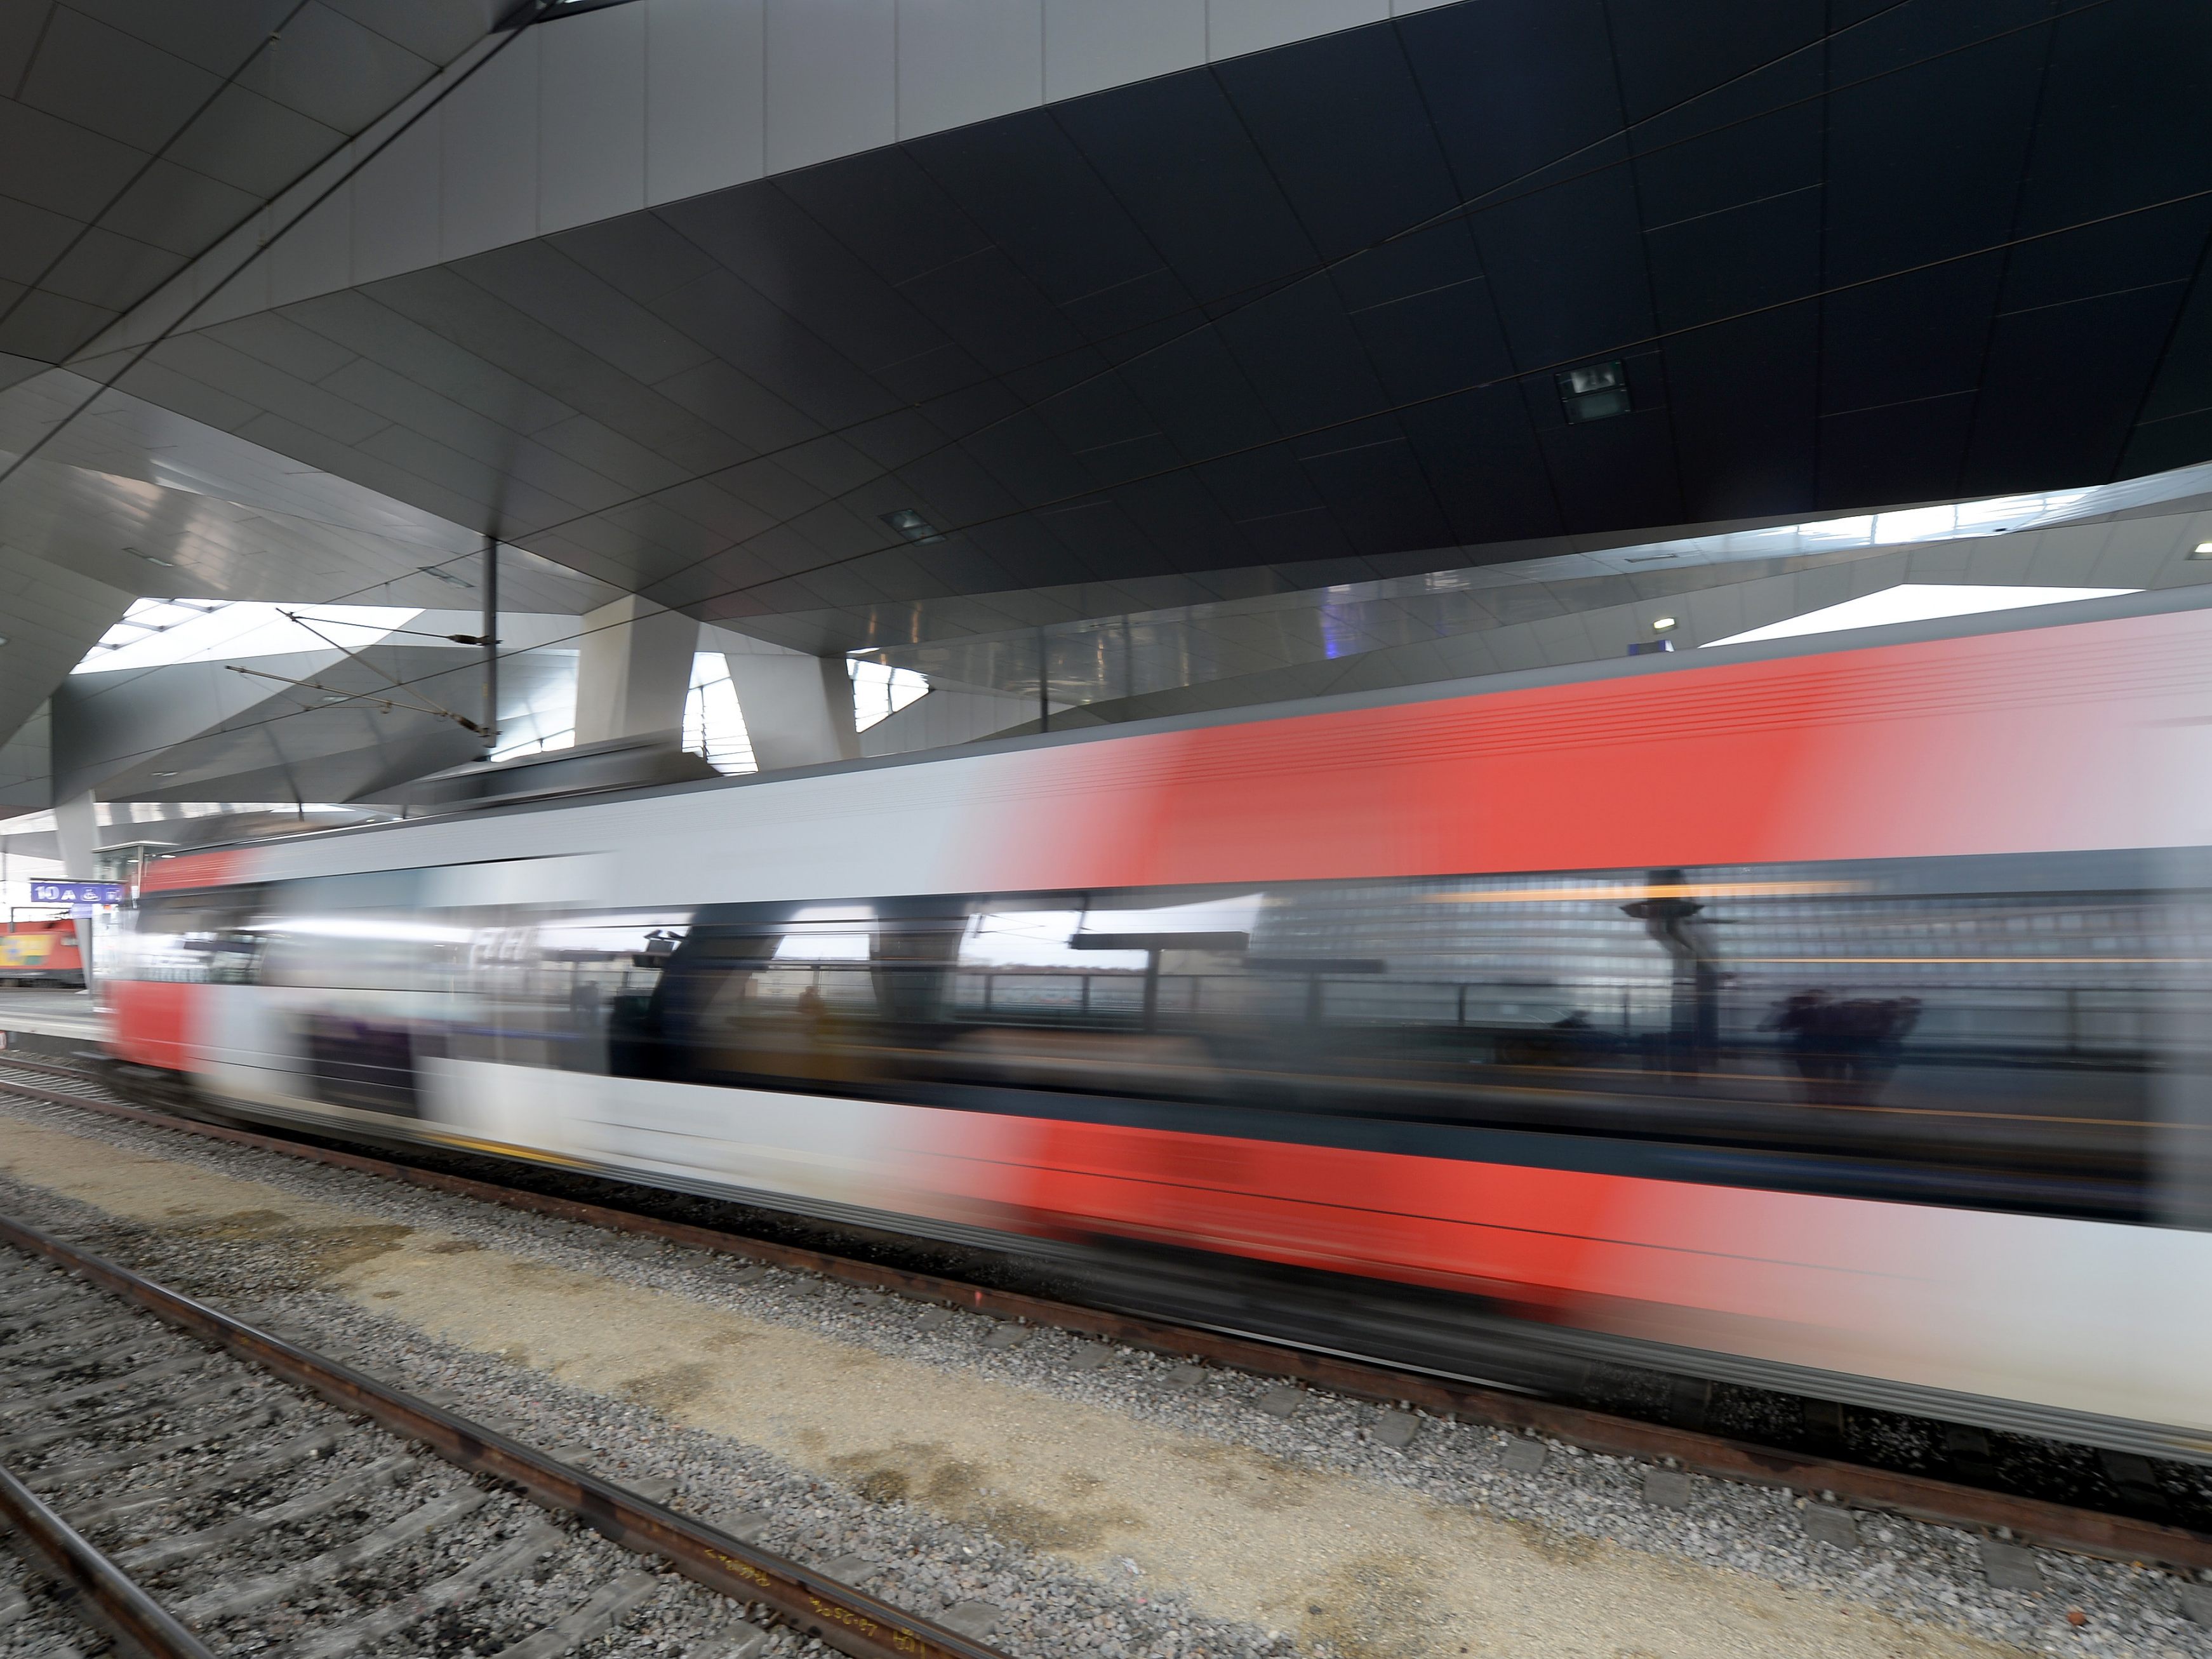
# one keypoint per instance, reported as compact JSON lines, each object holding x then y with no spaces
{"x":1832,"y":1020}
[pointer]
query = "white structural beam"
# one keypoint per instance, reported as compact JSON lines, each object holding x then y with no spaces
{"x":77,"y":826}
{"x":798,"y":710}
{"x":633,"y":670}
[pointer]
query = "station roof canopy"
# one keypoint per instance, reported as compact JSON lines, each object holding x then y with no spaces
{"x":1386,"y":299}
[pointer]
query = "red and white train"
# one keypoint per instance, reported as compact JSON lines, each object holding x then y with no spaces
{"x":1829,"y":1019}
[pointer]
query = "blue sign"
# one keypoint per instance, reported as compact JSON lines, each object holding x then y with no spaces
{"x":77,"y":892}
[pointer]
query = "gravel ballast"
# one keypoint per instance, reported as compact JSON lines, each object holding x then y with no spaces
{"x":1030,"y":1600}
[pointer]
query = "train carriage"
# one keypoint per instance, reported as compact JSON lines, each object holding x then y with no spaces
{"x":1833,"y":1020}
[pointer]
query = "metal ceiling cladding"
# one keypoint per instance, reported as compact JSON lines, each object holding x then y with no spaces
{"x":1938,"y":255}
{"x":136,"y":138}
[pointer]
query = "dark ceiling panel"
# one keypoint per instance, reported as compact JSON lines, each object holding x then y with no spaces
{"x":30,"y":237}
{"x":105,"y":269}
{"x":146,"y":94}
{"x":1481,"y":459}
{"x":1516,"y":88}
{"x":1889,"y":208}
{"x":1199,"y":393}
{"x":1566,"y":265}
{"x":1422,"y":311}
{"x":1308,"y":308}
{"x":1185,"y":169}
{"x":1742,"y":395}
{"x":1025,"y":186}
{"x":1904,"y":452}
{"x":2141,"y":249}
{"x":892,"y":213}
{"x":215,"y":38}
{"x":2120,"y":126}
{"x":21,"y":26}
{"x":1759,"y":137}
{"x":2030,"y":423}
{"x":252,"y":143}
{"x":1920,"y":335}
{"x":1736,"y":260}
{"x":96,"y":95}
{"x":1670,"y":54}
{"x":1875,"y":38}
{"x":1372,"y":479}
{"x":1304,"y":358}
{"x":1341,"y":124}
{"x":794,"y":269}
{"x":544,"y":285}
{"x":2183,"y":388}
{"x":1001,"y":321}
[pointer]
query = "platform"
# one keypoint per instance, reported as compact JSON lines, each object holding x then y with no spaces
{"x":51,"y":1012}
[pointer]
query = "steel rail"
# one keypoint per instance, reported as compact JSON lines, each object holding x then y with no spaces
{"x":1921,"y":1497}
{"x":103,"y":1593}
{"x":843,"y":1617}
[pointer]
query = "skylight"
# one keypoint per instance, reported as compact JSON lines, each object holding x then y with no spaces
{"x":1916,"y":602}
{"x":712,"y":726}
{"x":880,"y":690}
{"x":155,"y":633}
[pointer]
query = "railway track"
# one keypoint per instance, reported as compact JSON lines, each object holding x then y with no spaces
{"x":190,"y":1484}
{"x":1842,"y":1490}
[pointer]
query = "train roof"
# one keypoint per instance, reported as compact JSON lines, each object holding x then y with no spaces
{"x":2039,"y":619}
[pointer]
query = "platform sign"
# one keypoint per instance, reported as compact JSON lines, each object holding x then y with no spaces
{"x":77,"y":892}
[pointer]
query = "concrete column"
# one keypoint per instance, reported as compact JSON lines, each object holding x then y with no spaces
{"x":77,"y":826}
{"x":633,"y":670}
{"x":798,"y":710}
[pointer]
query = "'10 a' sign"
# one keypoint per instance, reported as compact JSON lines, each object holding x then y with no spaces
{"x":77,"y":892}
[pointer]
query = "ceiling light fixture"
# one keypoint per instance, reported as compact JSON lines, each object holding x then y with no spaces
{"x":912,"y":526}
{"x":1595,"y":393}
{"x":165,"y":774}
{"x":2203,"y":550}
{"x":166,"y":564}
{"x":446,"y":576}
{"x":1660,"y":624}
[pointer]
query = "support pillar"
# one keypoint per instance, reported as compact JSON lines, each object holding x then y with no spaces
{"x":798,"y":710}
{"x":77,"y":826}
{"x":634,"y":672}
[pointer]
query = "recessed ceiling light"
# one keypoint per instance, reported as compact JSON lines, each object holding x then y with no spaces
{"x":1660,"y":624}
{"x":1595,"y":393}
{"x":165,"y":774}
{"x":166,"y":564}
{"x":912,"y":526}
{"x":2203,"y":550}
{"x":446,"y":576}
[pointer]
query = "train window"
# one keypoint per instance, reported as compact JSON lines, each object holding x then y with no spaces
{"x":199,"y":939}
{"x":1977,"y":1031}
